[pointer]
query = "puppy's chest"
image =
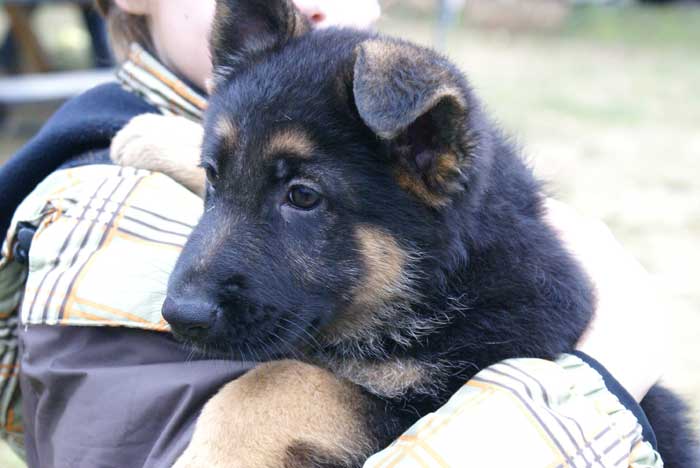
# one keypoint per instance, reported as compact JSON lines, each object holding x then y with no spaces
{"x":393,"y":377}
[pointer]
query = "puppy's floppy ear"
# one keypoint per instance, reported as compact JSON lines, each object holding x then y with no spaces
{"x":244,"y":30}
{"x":417,"y":102}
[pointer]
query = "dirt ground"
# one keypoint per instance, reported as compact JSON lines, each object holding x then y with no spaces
{"x":612,"y":120}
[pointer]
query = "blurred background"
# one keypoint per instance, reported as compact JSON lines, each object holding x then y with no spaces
{"x":602,"y":95}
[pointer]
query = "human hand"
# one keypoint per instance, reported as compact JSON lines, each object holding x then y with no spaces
{"x":626,"y":334}
{"x":167,"y":144}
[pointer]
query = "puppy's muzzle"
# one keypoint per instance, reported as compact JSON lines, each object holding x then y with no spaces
{"x":190,"y":318}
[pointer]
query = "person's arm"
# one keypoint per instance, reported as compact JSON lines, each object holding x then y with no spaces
{"x":627,"y":306}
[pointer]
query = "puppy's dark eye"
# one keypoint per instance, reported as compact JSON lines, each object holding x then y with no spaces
{"x":212,"y":174}
{"x":303,"y":197}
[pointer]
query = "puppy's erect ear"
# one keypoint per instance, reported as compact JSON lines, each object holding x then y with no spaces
{"x":416,"y":101}
{"x":244,"y":30}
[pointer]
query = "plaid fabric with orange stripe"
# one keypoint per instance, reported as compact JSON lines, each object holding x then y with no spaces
{"x":142,"y":74}
{"x":107,"y":239}
{"x":527,"y":413}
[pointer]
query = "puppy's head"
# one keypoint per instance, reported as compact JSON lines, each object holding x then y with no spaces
{"x":335,"y":160}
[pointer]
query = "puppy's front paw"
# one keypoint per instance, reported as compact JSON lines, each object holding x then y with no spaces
{"x":167,"y":144}
{"x":282,"y":414}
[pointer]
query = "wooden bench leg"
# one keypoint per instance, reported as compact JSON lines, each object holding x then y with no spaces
{"x":21,"y":28}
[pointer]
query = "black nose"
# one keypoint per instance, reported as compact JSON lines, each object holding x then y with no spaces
{"x":190,"y":318}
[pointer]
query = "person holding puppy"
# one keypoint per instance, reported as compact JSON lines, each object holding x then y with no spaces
{"x":102,"y":382}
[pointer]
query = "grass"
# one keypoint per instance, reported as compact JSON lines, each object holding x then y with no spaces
{"x":651,"y":26}
{"x":607,"y":109}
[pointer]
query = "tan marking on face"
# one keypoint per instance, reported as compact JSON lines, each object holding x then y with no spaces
{"x":384,"y":281}
{"x":254,"y":421}
{"x":292,"y":142}
{"x":227,"y":132}
{"x":384,"y":261}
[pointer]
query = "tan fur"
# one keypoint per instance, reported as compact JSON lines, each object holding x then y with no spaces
{"x":384,"y":279}
{"x":446,"y":166}
{"x":291,"y":142}
{"x":227,"y":132}
{"x":410,"y":183}
{"x":303,"y":455}
{"x":431,"y":190}
{"x":167,"y":144}
{"x":390,"y":379}
{"x":254,"y":421}
{"x":384,"y":260}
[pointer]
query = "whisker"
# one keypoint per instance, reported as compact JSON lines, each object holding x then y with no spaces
{"x":295,"y":336}
{"x":313,"y":343}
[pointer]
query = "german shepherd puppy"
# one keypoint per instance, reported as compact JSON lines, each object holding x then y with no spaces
{"x":366,"y":219}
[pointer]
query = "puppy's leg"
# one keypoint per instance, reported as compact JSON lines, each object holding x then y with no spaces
{"x":283,"y":414}
{"x":167,"y":144}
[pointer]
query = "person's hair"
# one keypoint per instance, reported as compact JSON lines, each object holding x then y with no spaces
{"x":124,"y":28}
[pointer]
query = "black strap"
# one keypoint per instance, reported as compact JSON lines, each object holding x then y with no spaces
{"x":623,"y":395}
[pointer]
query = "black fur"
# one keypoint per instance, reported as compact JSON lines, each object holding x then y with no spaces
{"x":485,"y":277}
{"x":670,"y":418}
